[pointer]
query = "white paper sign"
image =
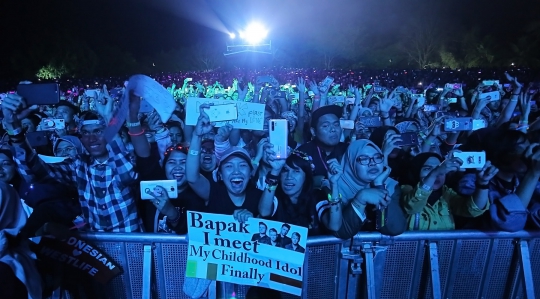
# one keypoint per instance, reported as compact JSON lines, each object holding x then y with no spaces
{"x":251,"y":253}
{"x":51,"y":159}
{"x":154,"y":94}
{"x":250,"y":115}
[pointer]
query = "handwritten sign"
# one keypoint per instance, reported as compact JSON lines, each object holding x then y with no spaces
{"x":259,"y":252}
{"x":154,"y":94}
{"x":79,"y":255}
{"x":250,"y":115}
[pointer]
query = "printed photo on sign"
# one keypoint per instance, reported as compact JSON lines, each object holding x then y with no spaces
{"x":248,"y":116}
{"x":258,"y":252}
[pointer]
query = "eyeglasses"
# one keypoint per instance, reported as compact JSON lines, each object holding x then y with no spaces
{"x":65,"y":150}
{"x":365,"y":160}
{"x":173,"y":148}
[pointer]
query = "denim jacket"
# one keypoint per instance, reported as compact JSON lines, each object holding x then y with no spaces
{"x":506,"y":211}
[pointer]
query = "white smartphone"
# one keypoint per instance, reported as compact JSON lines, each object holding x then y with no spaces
{"x":52,"y":124}
{"x":471,"y":159}
{"x":478,"y":124}
{"x":92,"y":92}
{"x":311,"y":93}
{"x":451,"y":100}
{"x":222,"y":112}
{"x":490,"y":82}
{"x":278,"y":135}
{"x":189,"y":79}
{"x":491,"y":96}
{"x":346,"y":124}
{"x":149,"y":187}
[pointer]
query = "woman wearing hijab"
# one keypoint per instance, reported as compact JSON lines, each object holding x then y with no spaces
{"x":360,"y":188}
{"x":18,"y":272}
{"x":430,"y":203}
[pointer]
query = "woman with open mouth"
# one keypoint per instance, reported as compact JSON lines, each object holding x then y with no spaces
{"x":230,"y":191}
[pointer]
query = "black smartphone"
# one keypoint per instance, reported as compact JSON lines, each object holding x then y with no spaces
{"x":409,"y":138}
{"x":40,"y":94}
{"x":38,"y":138}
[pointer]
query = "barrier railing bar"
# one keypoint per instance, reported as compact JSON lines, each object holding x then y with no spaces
{"x":305,"y":281}
{"x":324,"y":240}
{"x":370,"y":270}
{"x":158,"y":253}
{"x":488,"y":268}
{"x":526,"y":270}
{"x":147,"y":272}
{"x":127,"y":273}
{"x":434,"y":269}
{"x":452,"y":271}
{"x":342,"y":284}
{"x":417,"y":269}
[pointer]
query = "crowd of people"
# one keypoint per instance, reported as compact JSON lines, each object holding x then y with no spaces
{"x":386,"y":151}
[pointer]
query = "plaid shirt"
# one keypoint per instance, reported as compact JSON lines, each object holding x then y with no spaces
{"x":107,"y":199}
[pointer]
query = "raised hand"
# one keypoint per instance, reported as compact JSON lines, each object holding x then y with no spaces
{"x":223,"y":133}
{"x":105,"y":104}
{"x":335,"y":171}
{"x":486,"y":173}
{"x":301,"y":85}
{"x":203,"y":126}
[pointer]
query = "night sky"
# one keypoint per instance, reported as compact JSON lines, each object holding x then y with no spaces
{"x":146,"y":27}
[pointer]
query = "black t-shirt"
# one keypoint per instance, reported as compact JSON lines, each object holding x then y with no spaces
{"x":320,"y":157}
{"x":303,"y":213}
{"x":221,"y":203}
{"x":187,"y":200}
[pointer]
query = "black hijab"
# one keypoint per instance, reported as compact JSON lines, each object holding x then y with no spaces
{"x":413,"y":173}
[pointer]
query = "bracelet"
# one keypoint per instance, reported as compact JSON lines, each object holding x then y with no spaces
{"x":193,"y":152}
{"x":14,"y":132}
{"x":383,"y":118}
{"x":161,"y":130}
{"x":177,"y":218}
{"x":271,"y":188}
{"x":482,"y":187}
{"x":449,"y":143}
{"x":334,"y":201}
{"x":132,"y":125}
{"x":515,"y":94}
{"x":136,"y":134}
{"x":17,"y":138}
{"x":271,"y":180}
{"x":524,"y":122}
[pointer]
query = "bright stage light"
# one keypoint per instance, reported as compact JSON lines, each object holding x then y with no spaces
{"x":232,"y":35}
{"x":254,"y":33}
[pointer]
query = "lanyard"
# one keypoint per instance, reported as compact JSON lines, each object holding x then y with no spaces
{"x":322,"y":160}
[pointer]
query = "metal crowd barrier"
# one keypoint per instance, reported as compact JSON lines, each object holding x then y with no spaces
{"x":431,"y":264}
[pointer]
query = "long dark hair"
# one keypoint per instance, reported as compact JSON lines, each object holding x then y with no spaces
{"x":298,"y":213}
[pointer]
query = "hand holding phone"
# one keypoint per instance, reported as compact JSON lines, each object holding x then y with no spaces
{"x":278,"y":136}
{"x":471,"y":159}
{"x":149,"y":190}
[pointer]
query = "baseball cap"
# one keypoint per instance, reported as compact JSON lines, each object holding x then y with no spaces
{"x":330,"y":109}
{"x":235,"y":151}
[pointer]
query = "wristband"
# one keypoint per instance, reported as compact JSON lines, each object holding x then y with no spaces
{"x":133,"y":125}
{"x":160,"y":130}
{"x":14,"y":132}
{"x":193,"y":152}
{"x":271,"y":188}
{"x":334,"y":201}
{"x":136,"y":134}
{"x":271,"y":180}
{"x":482,"y":187}
{"x":383,"y":118}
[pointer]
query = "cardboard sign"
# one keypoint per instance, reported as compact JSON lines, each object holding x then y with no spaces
{"x":154,"y":94}
{"x":250,"y":115}
{"x":259,"y":252}
{"x":80,"y":255}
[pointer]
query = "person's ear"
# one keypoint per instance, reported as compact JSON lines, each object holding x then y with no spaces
{"x":312,"y":130}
